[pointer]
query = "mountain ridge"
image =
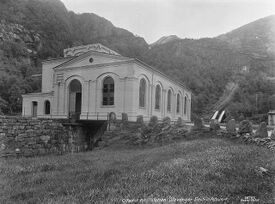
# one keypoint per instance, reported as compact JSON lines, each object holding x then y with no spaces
{"x":164,"y":40}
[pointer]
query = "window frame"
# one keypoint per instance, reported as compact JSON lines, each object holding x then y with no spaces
{"x":169,"y":101}
{"x":178,"y":103}
{"x":185,"y":105}
{"x":158,"y":96}
{"x":47,"y":109}
{"x":108,"y":92}
{"x":142,"y":93}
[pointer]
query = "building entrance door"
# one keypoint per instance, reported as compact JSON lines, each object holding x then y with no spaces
{"x":75,"y":99}
{"x":78,"y":102}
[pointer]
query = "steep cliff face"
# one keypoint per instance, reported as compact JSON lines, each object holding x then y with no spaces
{"x":16,"y":33}
{"x":18,"y":61}
{"x":59,"y":28}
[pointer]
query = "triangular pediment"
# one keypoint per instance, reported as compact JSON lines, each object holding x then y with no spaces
{"x":91,"y":58}
{"x":79,"y":50}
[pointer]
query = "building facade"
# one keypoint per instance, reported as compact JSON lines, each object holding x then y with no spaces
{"x":91,"y":82}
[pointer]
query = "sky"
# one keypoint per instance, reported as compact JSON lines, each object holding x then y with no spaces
{"x":152,"y":19}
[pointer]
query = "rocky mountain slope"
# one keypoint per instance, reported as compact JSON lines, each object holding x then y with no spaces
{"x":33,"y":30}
{"x":60,"y":28}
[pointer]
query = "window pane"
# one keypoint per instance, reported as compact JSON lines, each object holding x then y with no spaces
{"x":111,"y":101}
{"x":105,"y":101}
{"x":105,"y":88}
{"x":112,"y":88}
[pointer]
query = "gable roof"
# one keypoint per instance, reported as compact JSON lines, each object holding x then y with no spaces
{"x":86,"y":54}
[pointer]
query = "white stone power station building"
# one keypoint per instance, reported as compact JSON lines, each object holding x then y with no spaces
{"x":92,"y":81}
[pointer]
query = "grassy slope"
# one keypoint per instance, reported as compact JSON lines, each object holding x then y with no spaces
{"x":188,"y":169}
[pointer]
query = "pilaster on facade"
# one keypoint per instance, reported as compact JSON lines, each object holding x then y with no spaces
{"x":130,"y":97}
{"x":85,"y":97}
{"x":164,"y":102}
{"x":151,"y":107}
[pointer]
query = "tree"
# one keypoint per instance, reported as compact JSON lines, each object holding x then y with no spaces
{"x":3,"y":105}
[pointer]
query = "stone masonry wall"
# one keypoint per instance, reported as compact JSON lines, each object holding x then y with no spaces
{"x":30,"y":137}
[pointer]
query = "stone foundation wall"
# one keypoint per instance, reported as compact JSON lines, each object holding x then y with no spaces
{"x":30,"y":137}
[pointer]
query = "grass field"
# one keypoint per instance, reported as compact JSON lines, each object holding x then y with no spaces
{"x":198,"y":169}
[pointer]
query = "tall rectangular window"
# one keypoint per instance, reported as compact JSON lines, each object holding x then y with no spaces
{"x":142,"y":93}
{"x":185,"y":105}
{"x":157,"y":97}
{"x":178,"y":103}
{"x":169,"y":101}
{"x":108,"y":91}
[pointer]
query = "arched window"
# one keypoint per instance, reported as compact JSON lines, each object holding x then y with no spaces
{"x":47,"y":108}
{"x":169,"y":100}
{"x":142,"y":93}
{"x":108,"y":91}
{"x":178,"y":103}
{"x":157,"y":97}
{"x":185,"y":105}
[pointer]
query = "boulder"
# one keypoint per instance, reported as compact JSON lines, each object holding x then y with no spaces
{"x":231,"y":126}
{"x":198,"y":124}
{"x":140,"y":120}
{"x":112,"y":117}
{"x":153,"y":121}
{"x":245,"y":127}
{"x":261,"y":132}
{"x":214,"y":125}
{"x":180,"y":122}
{"x":272,"y":137}
{"x":124,"y":117}
{"x":124,"y":121}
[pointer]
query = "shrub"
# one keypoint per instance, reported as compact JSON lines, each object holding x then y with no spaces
{"x":166,"y":120}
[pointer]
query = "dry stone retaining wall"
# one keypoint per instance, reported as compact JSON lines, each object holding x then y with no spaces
{"x":30,"y":137}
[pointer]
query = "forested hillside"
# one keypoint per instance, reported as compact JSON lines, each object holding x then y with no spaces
{"x":33,"y":30}
{"x":207,"y":65}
